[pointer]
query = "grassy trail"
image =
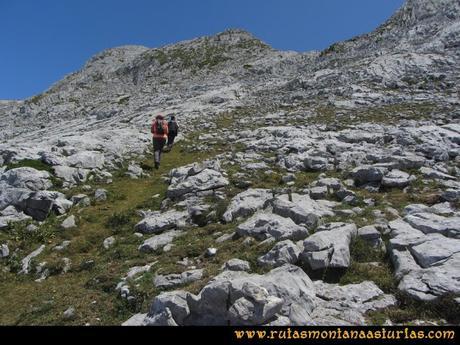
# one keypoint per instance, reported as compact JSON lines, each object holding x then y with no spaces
{"x":90,"y":290}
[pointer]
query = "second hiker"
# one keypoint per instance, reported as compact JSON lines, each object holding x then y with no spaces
{"x":160,"y":134}
{"x":173,"y":130}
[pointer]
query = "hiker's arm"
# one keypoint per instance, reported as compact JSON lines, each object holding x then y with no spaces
{"x":152,"y":129}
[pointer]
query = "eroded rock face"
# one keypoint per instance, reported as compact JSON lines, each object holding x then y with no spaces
{"x":285,"y":252}
{"x":159,"y":241}
{"x":11,"y":215}
{"x":236,"y":265}
{"x":196,"y":178}
{"x":264,"y":225}
{"x":11,"y":196}
{"x":365,"y":174}
{"x":71,"y":176}
{"x":329,"y":246}
{"x":302,"y":209}
{"x":86,"y":160}
{"x":156,"y":222}
{"x":348,"y":304}
{"x":38,"y":205}
{"x":397,"y":179}
{"x":27,"y":178}
{"x":247,"y":203}
{"x":173,"y":280}
{"x":433,"y":223}
{"x":284,"y":296}
{"x":426,"y":259}
{"x":246,"y":299}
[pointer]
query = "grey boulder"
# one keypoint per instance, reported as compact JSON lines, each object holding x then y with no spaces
{"x":173,"y":280}
{"x":109,"y":242}
{"x":302,"y":209}
{"x":433,"y":223}
{"x":264,"y":225}
{"x":426,"y":262}
{"x":348,"y":304}
{"x":4,"y":251}
{"x":172,"y":305}
{"x":247,"y":203}
{"x":329,"y":246}
{"x":196,"y":178}
{"x":159,"y":241}
{"x":69,"y":223}
{"x":71,"y":176}
{"x":100,"y":194}
{"x":236,"y":265}
{"x":367,"y":173}
{"x":86,"y":160}
{"x":156,"y":222}
{"x":11,"y":215}
{"x":239,"y":298}
{"x":28,"y":178}
{"x":397,"y":179}
{"x":285,"y":252}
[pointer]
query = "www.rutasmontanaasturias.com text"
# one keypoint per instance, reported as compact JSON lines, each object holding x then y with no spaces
{"x":342,"y":333}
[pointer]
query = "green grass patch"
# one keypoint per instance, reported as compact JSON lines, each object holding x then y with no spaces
{"x":444,"y":309}
{"x":95,"y":303}
{"x":30,"y":163}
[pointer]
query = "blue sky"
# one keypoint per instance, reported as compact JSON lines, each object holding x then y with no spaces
{"x":43,"y":40}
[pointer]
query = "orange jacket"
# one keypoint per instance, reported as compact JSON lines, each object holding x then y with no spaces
{"x":155,"y":133}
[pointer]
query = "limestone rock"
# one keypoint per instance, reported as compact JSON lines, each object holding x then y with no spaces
{"x":364,"y":174}
{"x":348,"y":304}
{"x":4,"y":251}
{"x":27,"y":260}
{"x":247,"y":203}
{"x":86,"y":160}
{"x":248,"y":299}
{"x":109,"y":242}
{"x":329,"y":246}
{"x":69,"y":223}
{"x":28,"y":178}
{"x":302,"y":209}
{"x":236,"y":265}
{"x":173,"y":280}
{"x":285,"y":252}
{"x":396,"y":179}
{"x":196,"y":178}
{"x":159,"y":241}
{"x":100,"y":194}
{"x":156,"y":222}
{"x":263,"y":225}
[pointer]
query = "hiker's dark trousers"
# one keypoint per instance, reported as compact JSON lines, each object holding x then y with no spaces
{"x":171,"y":138}
{"x":158,"y":145}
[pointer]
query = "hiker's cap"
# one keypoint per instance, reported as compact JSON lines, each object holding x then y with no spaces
{"x":159,"y":117}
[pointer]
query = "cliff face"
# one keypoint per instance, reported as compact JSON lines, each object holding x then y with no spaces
{"x":421,"y":38}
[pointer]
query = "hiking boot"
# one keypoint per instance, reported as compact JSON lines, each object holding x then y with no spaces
{"x":157,"y":165}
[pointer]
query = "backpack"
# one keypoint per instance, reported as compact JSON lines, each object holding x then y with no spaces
{"x":172,"y":125}
{"x":160,"y":127}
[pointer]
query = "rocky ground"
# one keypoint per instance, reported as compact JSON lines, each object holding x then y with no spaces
{"x":309,"y":189}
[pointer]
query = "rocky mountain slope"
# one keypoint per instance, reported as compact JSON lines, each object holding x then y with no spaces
{"x":306,"y":188}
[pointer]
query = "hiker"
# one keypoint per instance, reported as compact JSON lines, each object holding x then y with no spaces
{"x":173,"y":129}
{"x":160,"y":133}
